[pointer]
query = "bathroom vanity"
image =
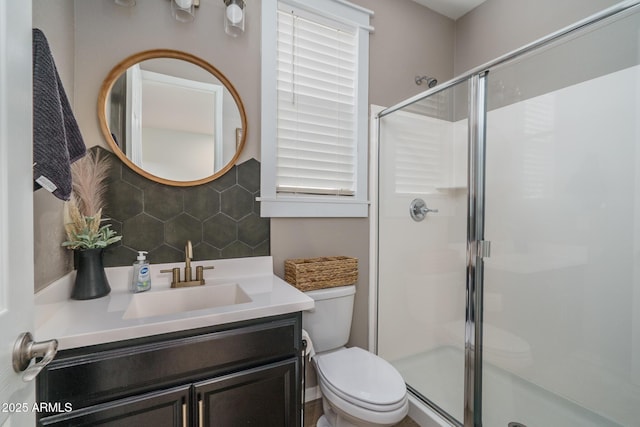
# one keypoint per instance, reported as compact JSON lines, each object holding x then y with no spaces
{"x":246,"y":373}
{"x":227,"y":365}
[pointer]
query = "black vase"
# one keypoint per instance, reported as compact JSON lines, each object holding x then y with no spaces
{"x":91,"y":279}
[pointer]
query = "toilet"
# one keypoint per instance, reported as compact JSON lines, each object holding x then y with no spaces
{"x":358,"y":388}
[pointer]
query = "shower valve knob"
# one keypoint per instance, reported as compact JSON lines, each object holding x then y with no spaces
{"x":419,"y":210}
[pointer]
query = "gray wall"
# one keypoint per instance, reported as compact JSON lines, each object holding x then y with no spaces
{"x":409,"y":40}
{"x":105,"y":34}
{"x":497,"y":27}
{"x":52,"y":261}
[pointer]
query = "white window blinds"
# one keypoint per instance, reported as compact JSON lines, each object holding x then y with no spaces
{"x":316,"y":107}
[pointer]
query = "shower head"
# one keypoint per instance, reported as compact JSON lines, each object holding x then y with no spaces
{"x":431,"y":81}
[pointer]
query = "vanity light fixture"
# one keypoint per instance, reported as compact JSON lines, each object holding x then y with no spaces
{"x":234,"y":17}
{"x":184,"y":10}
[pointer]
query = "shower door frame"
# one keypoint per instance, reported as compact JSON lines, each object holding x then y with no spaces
{"x":477,"y":248}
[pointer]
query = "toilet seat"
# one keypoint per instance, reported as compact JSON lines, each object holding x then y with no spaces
{"x":371,"y":417}
{"x":362,"y":379}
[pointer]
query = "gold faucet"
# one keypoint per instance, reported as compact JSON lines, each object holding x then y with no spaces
{"x":188,"y":278}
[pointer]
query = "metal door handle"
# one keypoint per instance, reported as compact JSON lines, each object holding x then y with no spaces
{"x":26,"y":349}
{"x":419,"y":210}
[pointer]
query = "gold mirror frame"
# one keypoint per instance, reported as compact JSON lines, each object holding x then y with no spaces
{"x":119,"y":69}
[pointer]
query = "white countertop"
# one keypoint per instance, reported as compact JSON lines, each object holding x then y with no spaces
{"x":89,"y":322}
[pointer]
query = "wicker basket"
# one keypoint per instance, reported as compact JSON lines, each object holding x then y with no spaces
{"x":308,"y":274}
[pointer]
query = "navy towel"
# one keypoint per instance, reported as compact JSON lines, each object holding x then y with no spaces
{"x":57,"y":141}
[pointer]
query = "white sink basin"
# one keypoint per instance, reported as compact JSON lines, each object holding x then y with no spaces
{"x":158,"y":303}
{"x":238,"y":289}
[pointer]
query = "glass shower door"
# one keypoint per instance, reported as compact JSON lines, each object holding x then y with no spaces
{"x":422,"y":267}
{"x":561,"y":333}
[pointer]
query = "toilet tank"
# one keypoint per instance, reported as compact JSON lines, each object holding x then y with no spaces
{"x":329,"y":322}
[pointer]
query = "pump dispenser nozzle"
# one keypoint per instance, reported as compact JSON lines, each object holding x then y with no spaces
{"x":141,"y":280}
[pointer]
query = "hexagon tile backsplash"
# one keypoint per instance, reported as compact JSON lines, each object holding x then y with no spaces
{"x":221,"y":218}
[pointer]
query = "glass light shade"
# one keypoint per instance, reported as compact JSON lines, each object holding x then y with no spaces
{"x":183,"y":10}
{"x":234,"y":17}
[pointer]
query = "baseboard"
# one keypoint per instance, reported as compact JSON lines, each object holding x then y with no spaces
{"x":311,"y":394}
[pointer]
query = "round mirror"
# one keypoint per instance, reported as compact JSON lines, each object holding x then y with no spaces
{"x":172,"y":117}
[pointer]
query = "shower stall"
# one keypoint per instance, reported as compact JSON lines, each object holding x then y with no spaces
{"x":511,"y":296}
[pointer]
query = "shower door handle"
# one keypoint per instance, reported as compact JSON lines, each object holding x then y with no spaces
{"x":419,"y":210}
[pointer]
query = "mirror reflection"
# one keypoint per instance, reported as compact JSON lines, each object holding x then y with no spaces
{"x":171,"y":119}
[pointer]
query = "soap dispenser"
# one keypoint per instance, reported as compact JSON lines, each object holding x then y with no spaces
{"x":141,"y":274}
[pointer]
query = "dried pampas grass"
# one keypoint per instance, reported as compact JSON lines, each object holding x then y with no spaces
{"x":76,"y":224}
{"x":83,"y":212}
{"x":89,"y":175}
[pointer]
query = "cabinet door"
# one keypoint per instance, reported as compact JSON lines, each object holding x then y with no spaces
{"x":158,"y":409}
{"x":266,"y":396}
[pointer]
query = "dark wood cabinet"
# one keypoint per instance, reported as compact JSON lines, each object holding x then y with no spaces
{"x":247,"y":373}
{"x":261,"y":397}
{"x":156,"y":409}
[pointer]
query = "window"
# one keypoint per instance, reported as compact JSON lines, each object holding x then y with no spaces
{"x":314,"y":109}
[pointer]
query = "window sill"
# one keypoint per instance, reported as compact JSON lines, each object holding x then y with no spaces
{"x":312,"y":207}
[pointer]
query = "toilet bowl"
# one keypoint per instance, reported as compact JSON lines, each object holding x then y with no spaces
{"x":358,"y":388}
